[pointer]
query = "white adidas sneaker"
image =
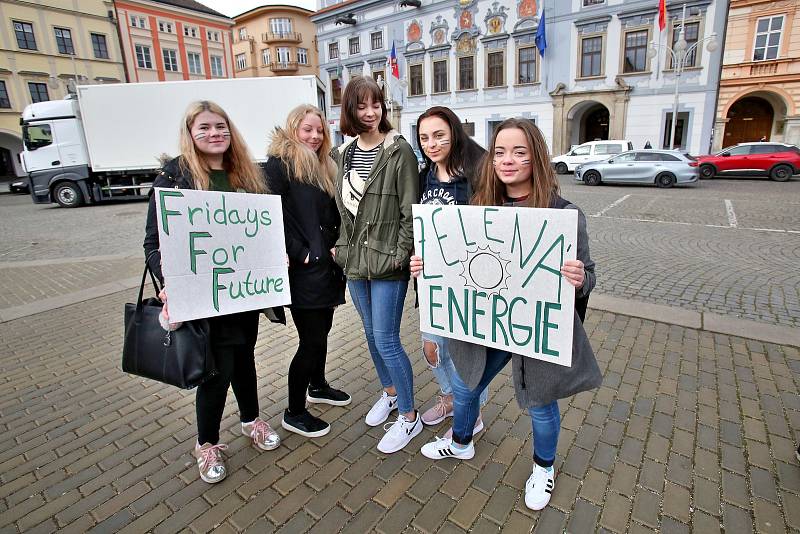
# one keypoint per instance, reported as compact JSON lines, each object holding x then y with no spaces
{"x":443,"y":448}
{"x":539,"y":487}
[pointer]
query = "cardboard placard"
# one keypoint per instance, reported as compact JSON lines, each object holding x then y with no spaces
{"x":221,"y":253}
{"x":491,"y":276}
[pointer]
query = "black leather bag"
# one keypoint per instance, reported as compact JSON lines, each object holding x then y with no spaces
{"x":180,"y":358}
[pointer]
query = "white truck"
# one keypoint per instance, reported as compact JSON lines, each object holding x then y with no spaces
{"x":109,"y":142}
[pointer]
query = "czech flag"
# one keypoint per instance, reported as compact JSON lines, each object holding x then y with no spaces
{"x":393,"y":63}
{"x":662,"y":14}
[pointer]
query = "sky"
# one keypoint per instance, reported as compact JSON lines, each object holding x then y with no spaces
{"x":232,"y":8}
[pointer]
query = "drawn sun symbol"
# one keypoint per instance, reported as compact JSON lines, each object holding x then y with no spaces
{"x":485,"y":270}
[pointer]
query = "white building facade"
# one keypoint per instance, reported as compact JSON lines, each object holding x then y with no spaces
{"x":607,"y":72}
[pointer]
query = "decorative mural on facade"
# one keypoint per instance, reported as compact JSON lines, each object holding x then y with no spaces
{"x":439,"y":28}
{"x":496,"y":19}
{"x":527,"y":15}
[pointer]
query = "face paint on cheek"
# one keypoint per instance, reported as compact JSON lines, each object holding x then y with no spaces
{"x":444,"y":142}
{"x":525,"y":162}
{"x":200,"y":136}
{"x":226,"y":134}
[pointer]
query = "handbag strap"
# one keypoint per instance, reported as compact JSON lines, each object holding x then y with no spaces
{"x":141,"y":286}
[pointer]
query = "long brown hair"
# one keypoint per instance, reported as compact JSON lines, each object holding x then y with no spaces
{"x":315,"y":169}
{"x":357,"y":90}
{"x":491,"y":191}
{"x":237,"y":161}
{"x":465,"y":154}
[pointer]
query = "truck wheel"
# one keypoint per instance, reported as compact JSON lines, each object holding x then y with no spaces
{"x":780,"y":173}
{"x":561,"y":168}
{"x":68,"y":195}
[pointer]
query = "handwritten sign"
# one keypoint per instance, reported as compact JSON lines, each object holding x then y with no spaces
{"x":492,"y":277}
{"x":221,"y":253}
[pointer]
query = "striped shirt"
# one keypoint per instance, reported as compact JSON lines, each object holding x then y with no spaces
{"x":353,"y":184}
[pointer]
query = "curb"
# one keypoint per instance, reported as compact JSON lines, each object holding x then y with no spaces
{"x":710,"y":322}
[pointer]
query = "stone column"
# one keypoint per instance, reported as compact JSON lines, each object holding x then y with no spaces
{"x":719,"y":134}
{"x":791,"y":130}
{"x":559,"y":126}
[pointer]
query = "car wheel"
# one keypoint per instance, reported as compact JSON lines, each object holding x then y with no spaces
{"x":707,"y":171}
{"x":591,"y":178}
{"x":561,"y":168}
{"x":68,"y":195}
{"x":780,"y":173}
{"x":665,"y":179}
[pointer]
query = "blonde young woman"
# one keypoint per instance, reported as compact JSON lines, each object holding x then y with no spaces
{"x":301,"y":170}
{"x":214,"y":157}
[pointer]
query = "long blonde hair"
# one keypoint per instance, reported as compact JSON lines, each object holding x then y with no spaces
{"x":491,"y":191}
{"x":237,"y":160}
{"x":317,"y":169}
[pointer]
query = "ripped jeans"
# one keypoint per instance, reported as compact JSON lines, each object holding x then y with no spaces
{"x":443,"y":369}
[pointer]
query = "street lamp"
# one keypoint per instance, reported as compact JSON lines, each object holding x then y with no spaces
{"x":680,"y":52}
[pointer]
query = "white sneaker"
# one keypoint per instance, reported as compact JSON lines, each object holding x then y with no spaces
{"x":399,"y":434}
{"x":443,"y":448}
{"x":380,"y":411}
{"x":539,"y":487}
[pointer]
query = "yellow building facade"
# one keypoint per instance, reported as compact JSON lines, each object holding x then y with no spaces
{"x":275,"y":41}
{"x":759,"y":96}
{"x":46,"y":45}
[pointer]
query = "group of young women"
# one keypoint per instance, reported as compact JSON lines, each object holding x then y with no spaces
{"x":348,"y":222}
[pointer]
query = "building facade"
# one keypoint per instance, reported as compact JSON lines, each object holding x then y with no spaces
{"x":47,"y":45}
{"x":275,"y":41}
{"x":171,"y":40}
{"x":759,"y":95}
{"x":607,"y":72}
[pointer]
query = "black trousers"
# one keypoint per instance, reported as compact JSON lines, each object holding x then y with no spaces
{"x":308,"y":365}
{"x":236,"y":366}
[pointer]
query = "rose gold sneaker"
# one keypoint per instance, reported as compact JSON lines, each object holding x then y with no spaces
{"x":439,"y":411}
{"x":211,"y":462}
{"x":262,"y":434}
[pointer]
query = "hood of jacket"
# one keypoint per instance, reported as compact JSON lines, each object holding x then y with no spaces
{"x":175,"y":172}
{"x":281,"y":146}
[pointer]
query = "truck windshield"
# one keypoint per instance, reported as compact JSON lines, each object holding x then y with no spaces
{"x":36,"y":136}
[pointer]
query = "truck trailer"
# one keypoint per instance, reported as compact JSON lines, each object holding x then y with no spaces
{"x":109,"y":141}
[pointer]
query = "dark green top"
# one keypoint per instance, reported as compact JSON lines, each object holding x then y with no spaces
{"x":218,"y":181}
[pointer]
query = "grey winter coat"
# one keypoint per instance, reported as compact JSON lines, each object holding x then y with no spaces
{"x":536,"y":382}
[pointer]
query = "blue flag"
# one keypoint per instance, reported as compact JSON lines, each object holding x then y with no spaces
{"x":541,"y":36}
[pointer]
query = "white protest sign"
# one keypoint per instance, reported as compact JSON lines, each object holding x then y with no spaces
{"x":491,"y":276}
{"x":221,"y":253}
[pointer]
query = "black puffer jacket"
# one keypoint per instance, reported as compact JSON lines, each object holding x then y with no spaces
{"x":311,"y":224}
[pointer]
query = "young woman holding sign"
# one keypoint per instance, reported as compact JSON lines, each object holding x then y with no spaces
{"x":301,"y":171}
{"x":375,"y":188}
{"x":214,"y":157}
{"x":448,"y":178}
{"x":518,"y":173}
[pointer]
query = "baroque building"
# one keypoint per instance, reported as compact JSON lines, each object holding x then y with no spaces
{"x":759,"y":95}
{"x":608,"y":71}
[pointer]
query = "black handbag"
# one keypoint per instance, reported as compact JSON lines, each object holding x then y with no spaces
{"x":180,"y":358}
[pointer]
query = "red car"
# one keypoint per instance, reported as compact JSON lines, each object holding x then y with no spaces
{"x":779,"y":161}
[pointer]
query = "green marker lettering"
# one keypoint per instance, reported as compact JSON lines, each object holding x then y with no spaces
{"x":165,"y":213}
{"x":193,"y":251}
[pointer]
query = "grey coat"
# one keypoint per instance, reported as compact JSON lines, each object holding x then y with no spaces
{"x":536,"y":382}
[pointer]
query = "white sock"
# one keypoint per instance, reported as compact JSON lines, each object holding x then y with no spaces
{"x":458,"y":447}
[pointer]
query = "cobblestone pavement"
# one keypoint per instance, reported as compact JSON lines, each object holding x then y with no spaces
{"x":725,"y":246}
{"x":690,"y":432}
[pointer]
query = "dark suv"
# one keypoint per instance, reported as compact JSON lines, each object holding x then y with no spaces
{"x":779,"y":161}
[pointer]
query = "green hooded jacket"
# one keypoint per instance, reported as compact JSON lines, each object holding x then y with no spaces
{"x":377,"y":243}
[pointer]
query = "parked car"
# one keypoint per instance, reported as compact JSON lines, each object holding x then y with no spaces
{"x":663,"y":168}
{"x":591,"y":151}
{"x":779,"y":161}
{"x":20,"y":185}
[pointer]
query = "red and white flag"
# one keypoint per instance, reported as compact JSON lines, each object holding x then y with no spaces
{"x":662,"y":14}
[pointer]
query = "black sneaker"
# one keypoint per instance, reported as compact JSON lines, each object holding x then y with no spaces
{"x":325,"y":394}
{"x":305,"y":424}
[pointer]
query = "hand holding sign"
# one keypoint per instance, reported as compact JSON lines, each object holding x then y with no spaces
{"x":221,"y":252}
{"x":493,"y":276}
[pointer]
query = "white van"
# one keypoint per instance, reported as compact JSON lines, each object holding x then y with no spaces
{"x":587,"y":152}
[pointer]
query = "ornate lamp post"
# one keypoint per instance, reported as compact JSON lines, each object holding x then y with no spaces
{"x":680,"y":53}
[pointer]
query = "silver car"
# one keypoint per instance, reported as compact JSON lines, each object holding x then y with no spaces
{"x":664,"y":168}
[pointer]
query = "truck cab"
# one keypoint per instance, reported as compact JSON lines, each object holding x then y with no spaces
{"x":56,"y":158}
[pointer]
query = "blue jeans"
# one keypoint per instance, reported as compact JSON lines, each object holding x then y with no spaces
{"x":380,"y":305}
{"x":546,"y":420}
{"x":444,"y":369}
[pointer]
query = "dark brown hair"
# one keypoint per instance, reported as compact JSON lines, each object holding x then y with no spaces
{"x":491,"y":191}
{"x":360,"y":89}
{"x":465,"y":154}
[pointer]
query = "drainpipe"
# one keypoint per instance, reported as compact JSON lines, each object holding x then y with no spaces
{"x":719,"y":76}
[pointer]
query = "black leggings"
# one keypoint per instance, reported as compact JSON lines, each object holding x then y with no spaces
{"x":236,"y":366}
{"x":308,"y":364}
